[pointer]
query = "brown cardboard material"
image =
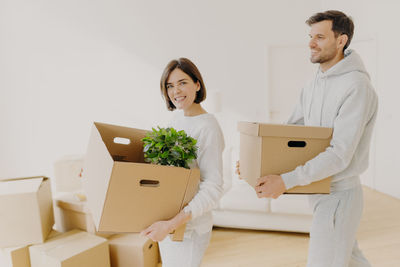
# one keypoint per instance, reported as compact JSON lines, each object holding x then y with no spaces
{"x":125,"y":194}
{"x":133,"y":250}
{"x":26,"y":211}
{"x":67,"y":171}
{"x":74,"y":214}
{"x":71,"y":249}
{"x":15,"y":257}
{"x":274,"y":149}
{"x":18,"y":256}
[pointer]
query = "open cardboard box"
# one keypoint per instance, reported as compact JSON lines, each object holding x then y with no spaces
{"x":277,"y":149}
{"x":125,"y":194}
{"x":73,"y":213}
{"x":26,"y":211}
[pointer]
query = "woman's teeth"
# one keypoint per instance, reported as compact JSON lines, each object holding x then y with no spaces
{"x":180,"y":98}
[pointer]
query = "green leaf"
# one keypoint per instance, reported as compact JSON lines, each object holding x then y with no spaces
{"x":167,"y":146}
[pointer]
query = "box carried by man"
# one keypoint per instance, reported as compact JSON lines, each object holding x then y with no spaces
{"x":276,"y":149}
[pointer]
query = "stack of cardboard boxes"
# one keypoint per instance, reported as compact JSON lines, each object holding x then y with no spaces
{"x":26,"y":234}
{"x":97,"y":215}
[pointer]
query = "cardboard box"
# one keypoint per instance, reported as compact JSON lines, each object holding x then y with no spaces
{"x":26,"y":211}
{"x":133,"y":250}
{"x":277,"y":149}
{"x":124,"y":193}
{"x":67,"y":172}
{"x":15,"y":257}
{"x":71,"y":249}
{"x":18,"y":256}
{"x":73,"y":214}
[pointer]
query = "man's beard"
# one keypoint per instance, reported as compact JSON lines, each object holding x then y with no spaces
{"x":322,"y":58}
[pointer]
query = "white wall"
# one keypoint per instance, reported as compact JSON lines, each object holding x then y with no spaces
{"x":65,"y":64}
{"x":375,"y":23}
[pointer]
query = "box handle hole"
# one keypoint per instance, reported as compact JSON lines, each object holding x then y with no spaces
{"x":122,"y":141}
{"x":149,"y":183}
{"x":151,"y":245}
{"x":297,"y":144}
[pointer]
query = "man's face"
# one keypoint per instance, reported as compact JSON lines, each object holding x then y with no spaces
{"x":323,"y":43}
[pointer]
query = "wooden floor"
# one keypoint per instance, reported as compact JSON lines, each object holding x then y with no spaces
{"x":378,"y":237}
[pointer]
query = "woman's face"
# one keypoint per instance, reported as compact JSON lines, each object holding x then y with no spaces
{"x":181,"y":89}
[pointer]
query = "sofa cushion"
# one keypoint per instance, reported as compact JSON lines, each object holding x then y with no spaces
{"x":242,"y":196}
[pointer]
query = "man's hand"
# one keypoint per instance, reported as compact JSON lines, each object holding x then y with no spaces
{"x":158,"y":230}
{"x":270,"y":186}
{"x":238,"y":169}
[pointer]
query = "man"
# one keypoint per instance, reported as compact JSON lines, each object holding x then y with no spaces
{"x":341,"y":97}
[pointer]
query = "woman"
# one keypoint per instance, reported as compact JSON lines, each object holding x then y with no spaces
{"x":182,"y":88}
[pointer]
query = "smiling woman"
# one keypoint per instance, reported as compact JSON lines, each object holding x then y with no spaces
{"x":183,"y":88}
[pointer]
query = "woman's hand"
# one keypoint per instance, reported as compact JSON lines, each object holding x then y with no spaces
{"x":158,"y":230}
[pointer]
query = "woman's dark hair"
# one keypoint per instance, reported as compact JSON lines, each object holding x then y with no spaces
{"x":190,"y":69}
{"x":341,"y":23}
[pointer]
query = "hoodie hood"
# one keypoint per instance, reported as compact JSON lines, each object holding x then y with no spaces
{"x":351,"y":62}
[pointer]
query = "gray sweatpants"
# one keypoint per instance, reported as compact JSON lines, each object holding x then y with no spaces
{"x":333,"y":232}
{"x":187,"y":253}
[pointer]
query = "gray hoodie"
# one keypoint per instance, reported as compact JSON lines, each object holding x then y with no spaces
{"x":341,"y":98}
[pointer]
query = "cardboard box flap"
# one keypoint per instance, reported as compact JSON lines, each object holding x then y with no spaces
{"x":19,"y":186}
{"x":69,"y":202}
{"x":23,"y":178}
{"x":123,"y":143}
{"x":69,"y":244}
{"x":97,"y":169}
{"x":249,"y":128}
{"x":292,"y":131}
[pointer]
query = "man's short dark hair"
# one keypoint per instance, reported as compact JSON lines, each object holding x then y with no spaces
{"x":341,"y":23}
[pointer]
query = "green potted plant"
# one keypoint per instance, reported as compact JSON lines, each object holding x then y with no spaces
{"x":167,"y":146}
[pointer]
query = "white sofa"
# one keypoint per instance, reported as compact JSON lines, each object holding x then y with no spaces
{"x":241,"y":208}
{"x":238,"y":208}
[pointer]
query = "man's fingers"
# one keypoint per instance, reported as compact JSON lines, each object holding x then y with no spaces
{"x":260,"y":184}
{"x":237,"y":171}
{"x":145,"y":232}
{"x":263,"y":180}
{"x":151,"y":236}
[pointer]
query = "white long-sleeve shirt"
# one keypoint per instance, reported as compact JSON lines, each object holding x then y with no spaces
{"x":341,"y":98}
{"x":210,"y":142}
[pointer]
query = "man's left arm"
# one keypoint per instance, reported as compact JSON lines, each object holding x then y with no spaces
{"x":356,"y":112}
